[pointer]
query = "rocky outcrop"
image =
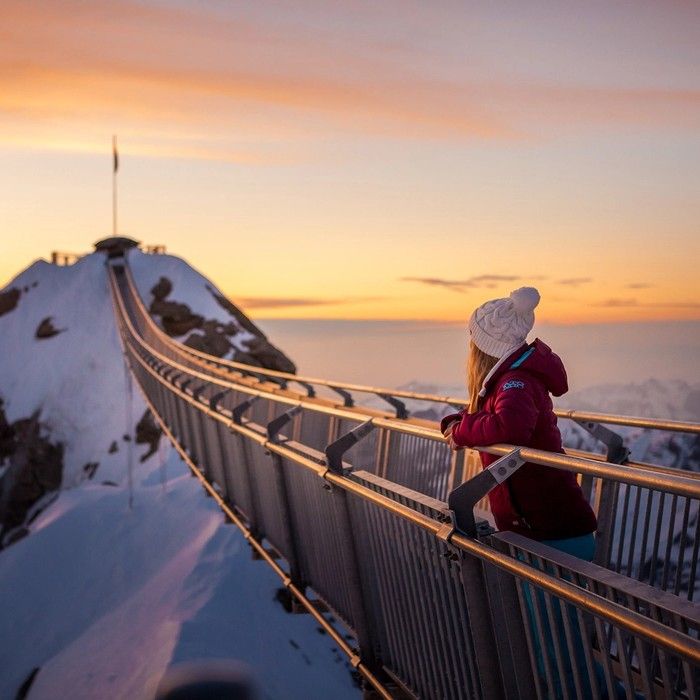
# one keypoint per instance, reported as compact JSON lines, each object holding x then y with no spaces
{"x":90,"y":468}
{"x":161,"y":290}
{"x":212,"y":336}
{"x":46,"y":329}
{"x":242,"y":319}
{"x":213,"y":339}
{"x":33,"y":469}
{"x":262,"y":353}
{"x":9,"y":300}
{"x":148,"y":433}
{"x":176,"y":319}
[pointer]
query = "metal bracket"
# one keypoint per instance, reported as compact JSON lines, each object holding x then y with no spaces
{"x":196,"y":392}
{"x":185,"y":384}
{"x":617,"y":452}
{"x":275,"y":425}
{"x":348,"y":401}
{"x":275,"y":380}
{"x":462,"y":500}
{"x":238,"y":411}
{"x":400,"y":406}
{"x":336,"y":450}
{"x":310,"y":391}
{"x":214,"y":400}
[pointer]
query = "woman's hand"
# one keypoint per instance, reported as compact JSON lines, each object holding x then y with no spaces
{"x":447,"y":433}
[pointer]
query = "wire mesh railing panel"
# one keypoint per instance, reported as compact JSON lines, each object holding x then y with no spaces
{"x":419,"y":597}
{"x":261,"y":412}
{"x":314,"y":429}
{"x":269,"y":494}
{"x":422,"y":464}
{"x":323,"y":537}
{"x":236,"y":472}
{"x":653,"y":537}
{"x":579,"y":655}
{"x":214,"y":466}
{"x":364,"y":454}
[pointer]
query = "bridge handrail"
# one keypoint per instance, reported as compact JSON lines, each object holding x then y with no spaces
{"x":671,"y":480}
{"x":572,"y":414}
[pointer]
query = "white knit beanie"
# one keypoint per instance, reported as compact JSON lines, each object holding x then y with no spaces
{"x":500,"y":326}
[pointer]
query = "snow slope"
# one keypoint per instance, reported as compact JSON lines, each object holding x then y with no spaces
{"x":102,"y":597}
{"x":76,"y":379}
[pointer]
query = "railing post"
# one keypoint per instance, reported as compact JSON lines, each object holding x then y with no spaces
{"x":461,"y":502}
{"x":511,"y":642}
{"x":280,"y":483}
{"x":237,"y":413}
{"x":617,"y":453}
{"x":366,"y":638}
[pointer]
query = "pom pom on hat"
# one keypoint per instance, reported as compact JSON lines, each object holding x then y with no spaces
{"x":525,"y":299}
{"x":500,"y":326}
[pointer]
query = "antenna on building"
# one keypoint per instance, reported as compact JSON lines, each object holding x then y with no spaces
{"x":115,"y":168}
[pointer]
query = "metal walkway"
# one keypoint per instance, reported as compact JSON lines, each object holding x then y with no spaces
{"x":349,"y":506}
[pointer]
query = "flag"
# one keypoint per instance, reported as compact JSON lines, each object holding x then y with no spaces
{"x":115,"y":154}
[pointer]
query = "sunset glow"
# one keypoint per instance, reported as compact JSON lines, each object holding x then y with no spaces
{"x":366,"y":160}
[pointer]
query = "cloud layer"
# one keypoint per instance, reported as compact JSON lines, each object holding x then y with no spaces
{"x":241,"y":81}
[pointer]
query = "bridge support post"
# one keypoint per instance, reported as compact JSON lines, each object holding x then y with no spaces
{"x":247,"y":466}
{"x":366,"y":637}
{"x":617,"y":453}
{"x":491,"y":648}
{"x":280,"y":483}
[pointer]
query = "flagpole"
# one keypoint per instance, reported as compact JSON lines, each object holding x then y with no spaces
{"x":114,"y":185}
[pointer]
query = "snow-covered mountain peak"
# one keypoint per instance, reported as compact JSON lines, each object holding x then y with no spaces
{"x":108,"y":580}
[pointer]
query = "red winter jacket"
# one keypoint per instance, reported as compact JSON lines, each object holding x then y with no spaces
{"x":539,"y":502}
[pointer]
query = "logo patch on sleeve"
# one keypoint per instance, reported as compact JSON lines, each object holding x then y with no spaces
{"x":513,"y":384}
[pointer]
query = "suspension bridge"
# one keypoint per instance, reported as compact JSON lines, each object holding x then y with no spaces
{"x":381,"y":532}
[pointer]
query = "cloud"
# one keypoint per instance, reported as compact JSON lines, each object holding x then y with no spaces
{"x":575,"y":281}
{"x":231,"y":79}
{"x":291,"y":302}
{"x":480,"y":281}
{"x":618,"y":303}
{"x":639,"y":285}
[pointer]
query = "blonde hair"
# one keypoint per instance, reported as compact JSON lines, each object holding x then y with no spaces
{"x":479,"y":364}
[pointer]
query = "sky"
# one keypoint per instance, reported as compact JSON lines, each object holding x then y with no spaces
{"x":363,"y":160}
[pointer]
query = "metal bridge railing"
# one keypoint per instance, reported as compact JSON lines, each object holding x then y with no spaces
{"x":656,"y":545}
{"x":435,"y":613}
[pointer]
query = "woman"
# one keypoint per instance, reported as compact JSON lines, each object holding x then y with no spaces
{"x":510,"y":384}
{"x":509,"y":402}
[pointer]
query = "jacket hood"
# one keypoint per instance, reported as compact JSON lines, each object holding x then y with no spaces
{"x":539,"y":360}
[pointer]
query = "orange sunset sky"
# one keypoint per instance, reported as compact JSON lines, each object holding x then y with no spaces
{"x":366,"y":160}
